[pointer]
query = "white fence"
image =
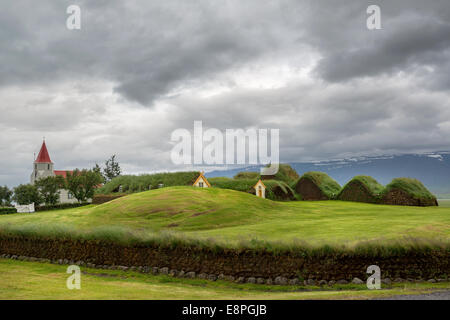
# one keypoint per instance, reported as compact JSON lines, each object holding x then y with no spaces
{"x":28,"y":208}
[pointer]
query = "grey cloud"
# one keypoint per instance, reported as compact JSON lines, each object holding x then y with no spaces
{"x":139,"y":70}
{"x":146,"y":48}
{"x":414,"y":34}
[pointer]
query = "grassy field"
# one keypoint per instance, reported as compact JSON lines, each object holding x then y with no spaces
{"x":30,"y":280}
{"x":444,"y":203}
{"x":230,"y":216}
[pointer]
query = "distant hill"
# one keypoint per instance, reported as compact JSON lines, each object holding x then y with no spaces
{"x":432,"y":169}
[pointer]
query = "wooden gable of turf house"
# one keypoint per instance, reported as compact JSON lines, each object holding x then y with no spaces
{"x":202,"y":182}
{"x":260,"y":189}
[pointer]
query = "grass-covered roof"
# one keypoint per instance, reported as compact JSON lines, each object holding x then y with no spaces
{"x":326,"y":184}
{"x":361,"y":189}
{"x":247,"y":175}
{"x":372,"y":185}
{"x":137,"y":183}
{"x":276,"y":190}
{"x":411,"y":186}
{"x":244,"y":185}
{"x":285,"y":173}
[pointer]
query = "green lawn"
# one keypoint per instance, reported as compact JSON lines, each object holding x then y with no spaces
{"x":31,"y":280}
{"x":445,"y":203}
{"x":230,"y":215}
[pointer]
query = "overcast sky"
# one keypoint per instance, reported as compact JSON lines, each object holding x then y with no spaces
{"x":137,"y":70}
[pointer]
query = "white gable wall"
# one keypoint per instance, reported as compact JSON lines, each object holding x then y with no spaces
{"x":201,"y":183}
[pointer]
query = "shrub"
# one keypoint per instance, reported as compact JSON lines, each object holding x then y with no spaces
{"x":132,"y":183}
{"x":27,"y":193}
{"x":5,"y":196}
{"x":8,"y":210}
{"x":49,"y":187}
{"x":82,"y":184}
{"x":60,"y":206}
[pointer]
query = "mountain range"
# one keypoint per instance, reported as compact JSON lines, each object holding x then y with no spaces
{"x":432,"y":169}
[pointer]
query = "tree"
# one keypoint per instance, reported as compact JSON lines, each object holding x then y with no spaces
{"x":26,"y":194}
{"x":49,"y":188}
{"x":5,"y":196}
{"x":112,"y":168}
{"x":81,"y":184}
{"x":98,"y":169}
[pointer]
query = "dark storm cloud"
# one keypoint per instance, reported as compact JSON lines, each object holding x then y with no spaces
{"x":150,"y":49}
{"x":146,"y":48}
{"x":414,"y":34}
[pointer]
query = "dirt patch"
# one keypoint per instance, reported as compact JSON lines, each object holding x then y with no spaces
{"x":102,"y":198}
{"x":201,"y":213}
{"x":173,"y":225}
{"x":169,"y":211}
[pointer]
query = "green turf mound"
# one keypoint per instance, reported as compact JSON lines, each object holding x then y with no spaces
{"x":184,"y":207}
{"x":316,"y":185}
{"x":132,"y":183}
{"x":408,"y":192}
{"x":276,"y":190}
{"x":285,"y":173}
{"x":361,"y":189}
{"x":243,"y":185}
{"x":247,"y":175}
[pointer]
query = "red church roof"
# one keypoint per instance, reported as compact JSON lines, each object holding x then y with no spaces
{"x":43,"y":156}
{"x":62,"y":173}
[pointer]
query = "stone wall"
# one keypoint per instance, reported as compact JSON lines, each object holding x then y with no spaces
{"x":233,"y":262}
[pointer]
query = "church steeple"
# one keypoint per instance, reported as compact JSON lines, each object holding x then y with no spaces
{"x":42,"y":166}
{"x":43,"y":156}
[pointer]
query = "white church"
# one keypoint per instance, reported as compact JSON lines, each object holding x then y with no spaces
{"x":43,"y":167}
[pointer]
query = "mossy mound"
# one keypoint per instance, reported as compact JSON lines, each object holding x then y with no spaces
{"x":132,"y":183}
{"x":316,"y":185}
{"x":361,"y":189}
{"x":285,"y":173}
{"x":243,"y":185}
{"x":408,"y":192}
{"x":276,"y":190}
{"x":247,"y":175}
